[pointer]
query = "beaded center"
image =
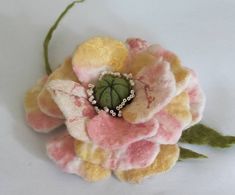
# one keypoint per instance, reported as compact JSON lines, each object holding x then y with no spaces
{"x":112,"y":92}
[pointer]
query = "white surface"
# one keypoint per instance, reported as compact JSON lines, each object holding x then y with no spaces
{"x":201,"y":32}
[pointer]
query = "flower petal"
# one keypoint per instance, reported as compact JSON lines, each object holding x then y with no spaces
{"x":182,"y":75}
{"x":165,"y":160}
{"x":136,"y":155}
{"x":71,"y":99}
{"x":136,"y":45}
{"x":112,"y":133}
{"x":61,"y":151}
{"x":96,"y":55}
{"x":45,"y":102}
{"x":196,"y":97}
{"x":175,"y":117}
{"x":154,"y":87}
{"x":36,"y":119}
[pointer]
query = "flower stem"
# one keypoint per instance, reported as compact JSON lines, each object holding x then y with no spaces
{"x":50,"y":33}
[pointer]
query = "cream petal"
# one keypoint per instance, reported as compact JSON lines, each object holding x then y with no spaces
{"x":45,"y":101}
{"x":71,"y":99}
{"x":154,"y":87}
{"x":197,"y":98}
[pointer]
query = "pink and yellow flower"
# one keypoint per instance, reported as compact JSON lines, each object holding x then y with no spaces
{"x":143,"y":141}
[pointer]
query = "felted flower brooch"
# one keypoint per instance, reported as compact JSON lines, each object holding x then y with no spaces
{"x":125,"y":106}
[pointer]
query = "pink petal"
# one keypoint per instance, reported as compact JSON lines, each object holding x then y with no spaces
{"x":42,"y":123}
{"x":197,"y":98}
{"x":35,"y":118}
{"x":136,"y":45}
{"x":170,"y":129}
{"x":71,"y":99}
{"x":154,"y":87}
{"x":112,"y":133}
{"x":61,"y":150}
{"x":137,"y":155}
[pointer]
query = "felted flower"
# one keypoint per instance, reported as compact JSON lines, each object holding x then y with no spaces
{"x":125,"y":106}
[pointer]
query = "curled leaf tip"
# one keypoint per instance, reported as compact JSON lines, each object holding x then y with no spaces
{"x":187,"y":154}
{"x":50,"y":33}
{"x":202,"y":135}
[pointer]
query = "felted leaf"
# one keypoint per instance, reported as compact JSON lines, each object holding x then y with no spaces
{"x":203,"y":135}
{"x":187,"y":153}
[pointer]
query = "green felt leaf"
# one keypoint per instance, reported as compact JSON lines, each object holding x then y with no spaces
{"x":50,"y":33}
{"x":187,"y":153}
{"x":203,"y":135}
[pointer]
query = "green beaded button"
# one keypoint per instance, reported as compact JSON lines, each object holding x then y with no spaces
{"x":111,"y":90}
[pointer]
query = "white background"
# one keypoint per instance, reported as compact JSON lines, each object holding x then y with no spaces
{"x":201,"y":32}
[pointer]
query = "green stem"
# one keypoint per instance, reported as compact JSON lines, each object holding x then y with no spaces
{"x":50,"y":33}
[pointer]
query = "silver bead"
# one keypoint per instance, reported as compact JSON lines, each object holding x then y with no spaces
{"x":122,"y":104}
{"x":132,"y":96}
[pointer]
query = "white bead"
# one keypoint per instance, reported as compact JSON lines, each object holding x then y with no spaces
{"x":132,"y":91}
{"x":89,"y":92}
{"x":114,"y":114}
{"x":91,"y":98}
{"x":93,"y":102}
{"x":130,"y":75}
{"x":132,"y":83}
{"x":106,"y":109}
{"x":124,"y":100}
{"x":91,"y":85}
{"x":128,"y":98}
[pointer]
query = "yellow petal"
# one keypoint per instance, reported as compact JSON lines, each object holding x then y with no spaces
{"x":31,"y":95}
{"x":45,"y":101}
{"x":165,"y":160}
{"x":100,"y":52}
{"x":90,"y":153}
{"x":179,"y":108}
{"x":182,"y":75}
{"x":91,"y":172}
